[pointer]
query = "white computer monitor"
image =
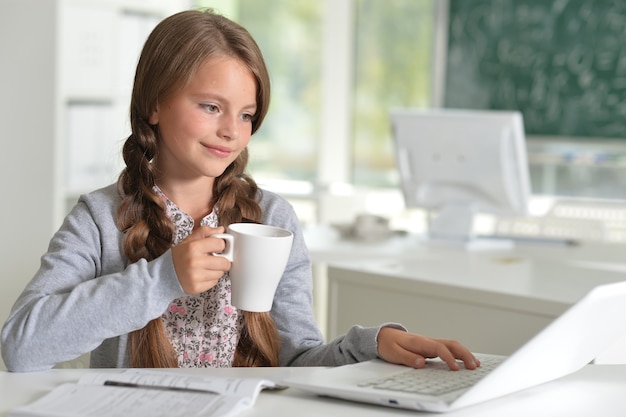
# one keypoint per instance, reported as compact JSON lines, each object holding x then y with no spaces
{"x":456,"y":163}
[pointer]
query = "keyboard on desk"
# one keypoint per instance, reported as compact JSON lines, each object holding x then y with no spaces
{"x":435,"y":378}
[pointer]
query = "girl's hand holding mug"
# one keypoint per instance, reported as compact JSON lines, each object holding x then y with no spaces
{"x":196,"y":268}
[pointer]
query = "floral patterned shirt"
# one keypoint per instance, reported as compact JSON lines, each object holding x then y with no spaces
{"x":203,"y":328}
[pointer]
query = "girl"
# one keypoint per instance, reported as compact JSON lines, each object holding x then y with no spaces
{"x":129,"y":276}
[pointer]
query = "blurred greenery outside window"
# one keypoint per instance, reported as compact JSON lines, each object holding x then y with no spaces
{"x":288,"y":33}
{"x":393,"y":68}
{"x":392,"y":48}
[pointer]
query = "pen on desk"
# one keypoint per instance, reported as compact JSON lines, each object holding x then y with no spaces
{"x":159,"y":387}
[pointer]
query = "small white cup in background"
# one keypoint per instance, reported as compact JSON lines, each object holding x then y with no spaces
{"x":259,"y":255}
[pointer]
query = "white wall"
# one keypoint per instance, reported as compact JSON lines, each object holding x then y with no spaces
{"x":32,"y":112}
{"x":26,"y":161}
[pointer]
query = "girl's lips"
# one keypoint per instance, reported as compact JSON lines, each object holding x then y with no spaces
{"x":219,"y":151}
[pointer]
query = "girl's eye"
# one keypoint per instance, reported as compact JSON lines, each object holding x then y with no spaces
{"x":247,"y":117}
{"x":210,"y":107}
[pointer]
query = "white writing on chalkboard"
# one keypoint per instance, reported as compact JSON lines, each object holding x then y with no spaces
{"x":561,"y":62}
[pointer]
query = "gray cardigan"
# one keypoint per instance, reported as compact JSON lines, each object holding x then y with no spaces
{"x":86,"y":298}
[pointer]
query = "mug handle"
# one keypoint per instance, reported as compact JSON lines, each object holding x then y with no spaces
{"x":230,"y":243}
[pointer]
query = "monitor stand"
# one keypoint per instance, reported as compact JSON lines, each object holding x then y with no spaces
{"x":453,"y":226}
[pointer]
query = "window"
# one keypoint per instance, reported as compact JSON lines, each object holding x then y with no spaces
{"x":289,"y":35}
{"x":385,"y":48}
{"x":393,"y":68}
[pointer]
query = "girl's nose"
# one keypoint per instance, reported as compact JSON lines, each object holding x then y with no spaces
{"x":228,"y":128}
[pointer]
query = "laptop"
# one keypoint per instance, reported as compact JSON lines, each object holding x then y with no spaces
{"x":567,"y":344}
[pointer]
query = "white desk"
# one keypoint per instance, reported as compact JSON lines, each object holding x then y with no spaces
{"x":325,"y":246}
{"x":595,"y":390}
{"x":492,"y":301}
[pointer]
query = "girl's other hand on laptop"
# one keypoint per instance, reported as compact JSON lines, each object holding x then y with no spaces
{"x":399,"y":347}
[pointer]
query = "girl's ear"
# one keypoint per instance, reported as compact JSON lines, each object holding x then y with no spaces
{"x":154,"y":117}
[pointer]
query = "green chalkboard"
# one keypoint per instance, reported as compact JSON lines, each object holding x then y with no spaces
{"x":561,"y":62}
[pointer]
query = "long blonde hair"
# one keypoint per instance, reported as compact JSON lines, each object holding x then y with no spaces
{"x":172,"y":54}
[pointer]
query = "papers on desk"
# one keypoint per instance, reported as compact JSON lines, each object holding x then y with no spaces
{"x":141,"y":393}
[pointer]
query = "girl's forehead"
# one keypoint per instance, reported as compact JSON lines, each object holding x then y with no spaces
{"x":226,"y":77}
{"x":221,"y":69}
{"x":222,"y":59}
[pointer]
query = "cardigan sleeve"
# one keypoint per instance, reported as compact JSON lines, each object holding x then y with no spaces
{"x":302,"y":343}
{"x":76,"y":301}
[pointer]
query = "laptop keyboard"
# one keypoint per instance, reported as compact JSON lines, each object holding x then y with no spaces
{"x":435,"y":378}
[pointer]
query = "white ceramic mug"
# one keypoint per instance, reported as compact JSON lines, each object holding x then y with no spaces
{"x":259,"y":255}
